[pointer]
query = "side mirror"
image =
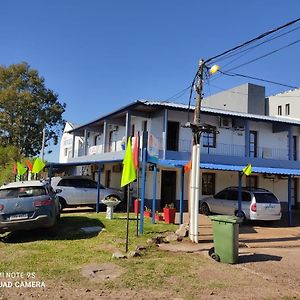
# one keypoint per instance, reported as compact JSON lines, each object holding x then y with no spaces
{"x":57,"y":191}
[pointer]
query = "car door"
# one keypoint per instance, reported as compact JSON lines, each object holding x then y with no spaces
{"x":217,"y":202}
{"x":230,"y":203}
{"x":89,"y":190}
{"x":70,"y":190}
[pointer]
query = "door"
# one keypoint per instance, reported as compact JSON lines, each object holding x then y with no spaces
{"x":168,"y":188}
{"x":173,"y":136}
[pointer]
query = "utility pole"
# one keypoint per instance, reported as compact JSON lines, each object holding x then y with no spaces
{"x":195,"y":181}
{"x":43,"y":145}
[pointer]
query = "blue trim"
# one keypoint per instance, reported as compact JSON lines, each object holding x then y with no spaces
{"x":154,"y":194}
{"x":240,"y":194}
{"x":181,"y":196}
{"x":290,"y":201}
{"x":144,"y":161}
{"x":98,"y":188}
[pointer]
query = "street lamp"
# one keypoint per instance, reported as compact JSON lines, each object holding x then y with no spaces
{"x":197,"y":129}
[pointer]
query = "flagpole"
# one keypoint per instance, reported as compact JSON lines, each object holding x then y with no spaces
{"x":138,"y":183}
{"x":127,"y":223}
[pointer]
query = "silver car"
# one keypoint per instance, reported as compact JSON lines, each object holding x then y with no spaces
{"x":257,"y":204}
{"x":81,"y":191}
{"x":28,"y":205}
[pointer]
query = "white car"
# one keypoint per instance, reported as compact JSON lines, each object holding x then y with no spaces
{"x":257,"y":204}
{"x":81,"y":191}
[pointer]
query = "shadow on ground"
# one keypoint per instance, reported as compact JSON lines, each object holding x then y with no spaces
{"x":257,"y":257}
{"x":69,"y":228}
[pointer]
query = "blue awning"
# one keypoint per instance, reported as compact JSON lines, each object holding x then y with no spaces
{"x":224,"y":167}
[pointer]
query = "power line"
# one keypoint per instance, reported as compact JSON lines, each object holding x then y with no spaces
{"x":265,"y":55}
{"x":253,"y":40}
{"x":259,"y":79}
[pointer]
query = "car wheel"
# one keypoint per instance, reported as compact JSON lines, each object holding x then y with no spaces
{"x":242,"y":217}
{"x":61,"y":204}
{"x":205,"y":209}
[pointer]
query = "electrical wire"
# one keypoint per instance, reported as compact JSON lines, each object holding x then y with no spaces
{"x":261,"y":36}
{"x":255,"y":78}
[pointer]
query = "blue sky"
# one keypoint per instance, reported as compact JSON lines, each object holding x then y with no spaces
{"x":99,"y":55}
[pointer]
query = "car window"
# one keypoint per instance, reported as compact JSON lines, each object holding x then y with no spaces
{"x":221,"y":195}
{"x":232,"y":195}
{"x":265,"y":198}
{"x":246,"y":197}
{"x":28,"y":191}
{"x":86,"y":183}
{"x":70,"y":182}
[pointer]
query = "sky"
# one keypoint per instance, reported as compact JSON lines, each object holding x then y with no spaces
{"x":100,"y":55}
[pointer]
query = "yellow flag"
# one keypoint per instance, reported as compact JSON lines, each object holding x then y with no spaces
{"x":247,"y":170}
{"x":38,"y":166}
{"x":128,"y":174}
{"x":21,"y":169}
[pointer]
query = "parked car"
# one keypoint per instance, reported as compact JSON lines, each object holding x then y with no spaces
{"x":81,"y":191}
{"x":257,"y":204}
{"x":27,"y":205}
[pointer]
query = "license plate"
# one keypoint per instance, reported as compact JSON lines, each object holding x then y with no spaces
{"x":18,"y":217}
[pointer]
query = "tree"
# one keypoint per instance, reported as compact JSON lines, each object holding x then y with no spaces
{"x":26,"y":108}
{"x":8,"y":157}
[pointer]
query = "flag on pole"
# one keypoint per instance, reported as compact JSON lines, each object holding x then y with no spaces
{"x":247,"y":170}
{"x":28,"y":164}
{"x":38,"y":165}
{"x":21,"y":169}
{"x":136,"y":151}
{"x":188,"y":167}
{"x":128,"y":174}
{"x":15,"y":169}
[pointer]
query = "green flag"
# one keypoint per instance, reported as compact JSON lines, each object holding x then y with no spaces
{"x":247,"y":170}
{"x":38,"y":166}
{"x":128,"y":174}
{"x":21,"y":169}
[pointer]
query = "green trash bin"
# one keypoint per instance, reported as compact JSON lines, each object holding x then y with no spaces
{"x":226,"y":239}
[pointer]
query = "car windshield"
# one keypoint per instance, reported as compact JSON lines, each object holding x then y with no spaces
{"x":27,"y":191}
{"x":265,"y":198}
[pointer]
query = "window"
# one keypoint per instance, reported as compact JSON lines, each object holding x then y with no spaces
{"x":209,"y":139}
{"x":208,"y":183}
{"x":221,"y":195}
{"x":287,"y":109}
{"x":295,"y":148}
{"x":66,"y":152}
{"x":279,"y":110}
{"x":173,"y":136}
{"x":253,"y":144}
{"x":251,"y":181}
{"x":96,"y":139}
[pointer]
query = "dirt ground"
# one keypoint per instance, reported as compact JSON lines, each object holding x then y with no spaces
{"x":268,"y":268}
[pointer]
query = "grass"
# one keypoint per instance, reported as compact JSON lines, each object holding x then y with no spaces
{"x":61,"y":258}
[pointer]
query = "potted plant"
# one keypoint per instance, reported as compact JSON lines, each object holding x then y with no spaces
{"x":158,"y":216}
{"x":169,"y":213}
{"x":147,"y":212}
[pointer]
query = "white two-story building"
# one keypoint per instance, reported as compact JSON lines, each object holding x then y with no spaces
{"x":243,"y":134}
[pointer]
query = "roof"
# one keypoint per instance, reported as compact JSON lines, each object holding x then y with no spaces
{"x":236,"y":168}
{"x":185,"y":107}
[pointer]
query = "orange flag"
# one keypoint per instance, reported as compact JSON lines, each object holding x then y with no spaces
{"x":29,"y":165}
{"x":135,"y":151}
{"x":188,"y":167}
{"x":15,"y":169}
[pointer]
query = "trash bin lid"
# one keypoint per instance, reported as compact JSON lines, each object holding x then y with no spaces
{"x":224,"y":218}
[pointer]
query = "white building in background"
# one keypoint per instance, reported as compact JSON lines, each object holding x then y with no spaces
{"x":243,"y":134}
{"x":285,"y":104}
{"x":66,"y":143}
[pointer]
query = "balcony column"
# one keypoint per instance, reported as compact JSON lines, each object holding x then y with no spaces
{"x":290,"y":143}
{"x":165,"y":133}
{"x":85,"y":144}
{"x":73,"y":144}
{"x":128,"y":125}
{"x":104,"y":136}
{"x":247,"y":138}
{"x":290,"y":200}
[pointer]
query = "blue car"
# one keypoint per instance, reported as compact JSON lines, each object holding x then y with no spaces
{"x":28,"y":205}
